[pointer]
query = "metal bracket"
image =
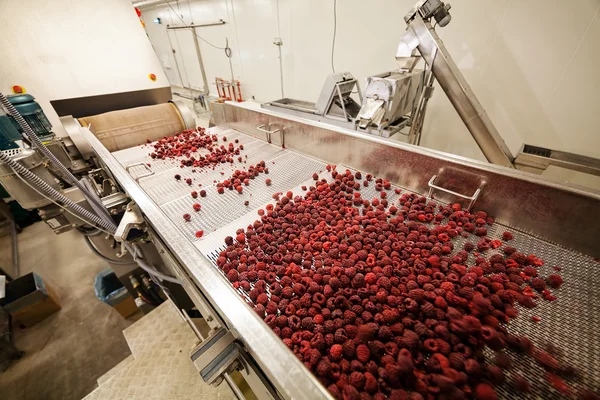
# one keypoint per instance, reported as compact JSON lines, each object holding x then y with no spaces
{"x":472,"y":199}
{"x":266,"y":129}
{"x":131,"y":219}
{"x":145,"y":165}
{"x":216,"y":356}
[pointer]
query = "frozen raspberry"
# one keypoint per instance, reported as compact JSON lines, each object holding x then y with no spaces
{"x":262,"y":298}
{"x":522,"y":384}
{"x":538,"y":284}
{"x":232,"y":275}
{"x":336,"y":351}
{"x":484,"y":391}
{"x":196,"y":207}
{"x":362,"y":353}
{"x":357,"y":380}
{"x":391,"y":316}
{"x":457,"y":361}
{"x":554,"y":281}
{"x":545,"y":359}
{"x":187,"y":217}
{"x":349,"y":349}
{"x":370,"y":385}
{"x":506,"y":236}
{"x":241,"y":238}
{"x":199,"y":234}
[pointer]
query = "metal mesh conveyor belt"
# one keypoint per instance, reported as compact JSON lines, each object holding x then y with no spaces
{"x":569,"y":324}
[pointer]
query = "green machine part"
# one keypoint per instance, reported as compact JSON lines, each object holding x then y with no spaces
{"x":33,"y":114}
{"x":8,"y":133}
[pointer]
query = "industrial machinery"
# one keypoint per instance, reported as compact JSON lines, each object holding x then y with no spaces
{"x":334,"y":105}
{"x":145,"y":205}
{"x":388,"y":101}
{"x":388,"y":104}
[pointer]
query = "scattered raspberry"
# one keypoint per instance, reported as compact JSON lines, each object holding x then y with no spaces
{"x":177,"y":177}
{"x":199,"y":234}
{"x":554,"y":281}
{"x":194,"y":194}
{"x":268,"y":182}
{"x":187,"y":217}
{"x":506,"y":236}
{"x":196,"y":207}
{"x":188,"y":181}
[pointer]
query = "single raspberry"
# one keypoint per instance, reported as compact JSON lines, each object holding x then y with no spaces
{"x":349,"y":349}
{"x":349,"y":392}
{"x":391,"y":316}
{"x":262,"y":298}
{"x":495,"y":375}
{"x":484,"y":391}
{"x":473,"y":368}
{"x":554,"y":281}
{"x":199,"y":234}
{"x":357,"y":380}
{"x":538,"y":284}
{"x":232,"y":275}
{"x":522,"y":384}
{"x":336,"y":352}
{"x":457,"y":361}
{"x":371,"y":384}
{"x":362,"y":353}
{"x":545,"y":359}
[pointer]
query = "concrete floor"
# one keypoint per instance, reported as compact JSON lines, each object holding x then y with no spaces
{"x":66,"y":353}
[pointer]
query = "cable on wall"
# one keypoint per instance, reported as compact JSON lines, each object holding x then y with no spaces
{"x":334,"y":34}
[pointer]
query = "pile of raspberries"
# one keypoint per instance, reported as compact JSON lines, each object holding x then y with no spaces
{"x":375,"y":300}
{"x":185,"y":146}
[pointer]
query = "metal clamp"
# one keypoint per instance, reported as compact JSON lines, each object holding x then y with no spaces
{"x":145,"y":165}
{"x":472,"y":199}
{"x":132,"y":218}
{"x":265,"y":128}
{"x":216,"y":356}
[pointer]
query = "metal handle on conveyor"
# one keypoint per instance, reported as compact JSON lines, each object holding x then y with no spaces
{"x":145,"y":165}
{"x":264,"y":128}
{"x":472,"y":199}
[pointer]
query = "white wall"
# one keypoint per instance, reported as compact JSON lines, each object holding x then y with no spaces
{"x":72,"y":48}
{"x":533,"y":63}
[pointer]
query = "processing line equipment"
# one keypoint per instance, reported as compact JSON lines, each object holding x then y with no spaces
{"x":103,"y":180}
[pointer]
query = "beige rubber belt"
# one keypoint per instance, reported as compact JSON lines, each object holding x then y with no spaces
{"x":122,"y":129}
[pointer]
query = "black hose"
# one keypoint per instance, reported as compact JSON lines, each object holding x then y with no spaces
{"x":102,"y":256}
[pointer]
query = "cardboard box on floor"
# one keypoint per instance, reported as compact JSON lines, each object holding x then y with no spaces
{"x":29,"y":300}
{"x":126,"y":307}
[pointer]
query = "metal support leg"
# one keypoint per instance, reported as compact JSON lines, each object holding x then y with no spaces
{"x":13,"y":238}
